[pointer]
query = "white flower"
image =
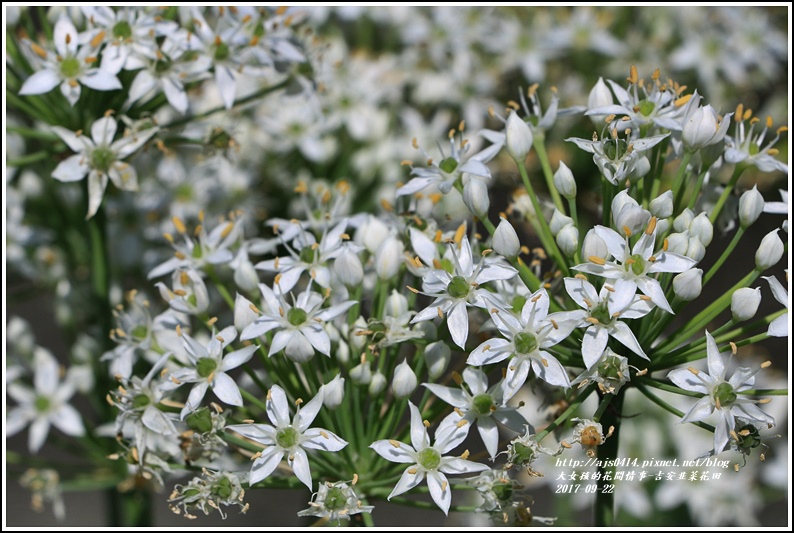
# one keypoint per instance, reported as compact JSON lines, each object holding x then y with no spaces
{"x":336,"y":501}
{"x":610,"y":372}
{"x":721,"y":395}
{"x":288,"y":440}
{"x":299,"y":326}
{"x":616,"y":158}
{"x":633,"y":269}
{"x":479,"y":404}
{"x":427,"y":460}
{"x":100,"y":157}
{"x":209,"y":368}
{"x":702,"y":127}
{"x":189,"y":294}
{"x":779,"y":326}
{"x":69,"y":66}
{"x":745,"y":148}
{"x":43,"y":405}
{"x":615,"y":301}
{"x":526,"y":338}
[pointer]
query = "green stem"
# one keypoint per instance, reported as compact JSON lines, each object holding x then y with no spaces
{"x":737,"y":172}
{"x":667,"y":407}
{"x":698,"y":185}
{"x":608,"y":451}
{"x":678,"y":181}
{"x":28,"y":159}
{"x":661,"y":385}
{"x":725,"y":254}
{"x":567,"y":414}
{"x":539,"y":142}
{"x":764,"y":392}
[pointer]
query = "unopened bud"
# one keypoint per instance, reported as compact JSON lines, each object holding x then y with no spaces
{"x":404,"y":381}
{"x":568,"y":240}
{"x":769,"y":251}
{"x":361,"y":374}
{"x":505,"y":240}
{"x":518,"y":137}
{"x":662,"y":205}
{"x":744,"y":303}
{"x":687,"y":285}
{"x":389,"y":258}
{"x":475,"y":196}
{"x":377,"y":384}
{"x":565,"y":182}
{"x":437,"y":356}
{"x":751,"y":205}
{"x":559,"y":221}
{"x":682,"y":221}
{"x":594,"y":246}
{"x":243,"y":312}
{"x":702,"y":229}
{"x":348,"y":268}
{"x":334,"y":392}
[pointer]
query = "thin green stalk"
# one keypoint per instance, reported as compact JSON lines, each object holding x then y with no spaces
{"x":678,"y":181}
{"x":254,"y":400}
{"x":539,"y":142}
{"x":565,"y":416}
{"x":667,"y":407}
{"x":28,"y":159}
{"x":764,"y":392}
{"x":543,"y":231}
{"x":725,"y":254}
{"x":661,"y":385}
{"x":737,"y":172}
{"x":698,"y":185}
{"x":607,"y":452}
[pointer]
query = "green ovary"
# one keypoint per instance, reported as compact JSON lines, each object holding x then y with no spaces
{"x":102,"y":158}
{"x":122,"y":30}
{"x":287,"y":437}
{"x":296,"y":316}
{"x":206,"y":366}
{"x":42,"y":404}
{"x":724,"y":394}
{"x":448,"y":165}
{"x":70,"y":67}
{"x":458,"y":287}
{"x":636,"y":264}
{"x":525,"y":342}
{"x":335,"y":499}
{"x":429,"y":459}
{"x":482,"y":403}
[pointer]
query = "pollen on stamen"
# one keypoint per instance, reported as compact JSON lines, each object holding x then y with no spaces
{"x":38,"y":50}
{"x":554,"y":323}
{"x":679,"y":102}
{"x":395,"y":443}
{"x":734,"y":349}
{"x":597,"y":260}
{"x":461,"y":423}
{"x":440,"y":312}
{"x":457,"y":378}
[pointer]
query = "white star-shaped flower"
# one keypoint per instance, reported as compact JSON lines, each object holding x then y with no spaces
{"x":285,"y":439}
{"x":427,"y":460}
{"x":721,"y":395}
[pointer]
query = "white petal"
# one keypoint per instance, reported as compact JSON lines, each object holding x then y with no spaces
{"x":716,"y":364}
{"x":497,"y":350}
{"x":237,"y":358}
{"x":300,"y":465}
{"x":552,"y":372}
{"x":615,"y":243}
{"x":40,"y":82}
{"x":96,"y":189}
{"x":399,"y":454}
{"x":749,"y":411}
{"x":306,"y":414}
{"x":490,"y":435}
{"x":622,"y":297}
{"x":458,"y":324}
{"x":16,"y":420}
{"x":700,"y":411}
{"x":37,"y":433}
{"x":419,"y":438}
{"x":68,"y":420}
{"x":581,"y":290}
{"x":779,"y":326}
{"x":593,"y":344}
{"x":73,"y":168}
{"x":440,"y":490}
{"x":143,"y":83}
{"x":322,"y":439}
{"x":281,"y":339}
{"x":644,"y":246}
{"x":517,"y":372}
{"x":299,"y":348}
{"x":265,"y":464}
{"x":277,"y":407}
{"x":407,"y":481}
{"x":258,"y":328}
{"x":194,"y":398}
{"x":261,"y":433}
{"x":157,"y":421}
{"x":460,"y":466}
{"x":103,"y":131}
{"x":670,"y":262}
{"x":226,"y":389}
{"x":723,"y":430}
{"x":651,"y":287}
{"x":318,"y":338}
{"x":65,"y":37}
{"x":100,"y":80}
{"x":476,"y":380}
{"x":778,"y":290}
{"x":175,"y":93}
{"x":623,"y":333}
{"x":511,"y":419}
{"x":45,"y":381}
{"x":452,"y":396}
{"x":71,"y":93}
{"x":495,"y":272}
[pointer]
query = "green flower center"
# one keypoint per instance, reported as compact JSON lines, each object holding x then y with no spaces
{"x":139,"y":333}
{"x":296,"y":316}
{"x":503,"y":491}
{"x":197,"y":252}
{"x":200,"y":421}
{"x":613,"y":148}
{"x":482,"y":403}
{"x":70,"y":67}
{"x":206,"y":366}
{"x":122,"y":30}
{"x":335,"y":499}
{"x":102,"y":158}
{"x":140,"y":401}
{"x":42,"y":404}
{"x":307,"y":254}
{"x":601,"y":313}
{"x":525,"y":342}
{"x":448,"y":165}
{"x":748,"y":437}
{"x":287,"y":437}
{"x":223,"y":488}
{"x":220,"y":139}
{"x":429,"y":459}
{"x":646,"y":107}
{"x":636,"y":264}
{"x":221,"y":51}
{"x":724,"y":394}
{"x":458,"y":287}
{"x":609,"y":368}
{"x":522,"y":454}
{"x":162,"y":66}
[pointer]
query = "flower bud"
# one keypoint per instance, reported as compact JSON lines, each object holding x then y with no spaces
{"x":377,"y":384}
{"x":695,"y":249}
{"x":594,"y":246}
{"x":600,"y":96}
{"x":662,"y":205}
{"x":372,"y":233}
{"x":357,"y":342}
{"x":640,"y":167}
{"x":437,"y":356}
{"x":396,"y":304}
{"x":627,"y":213}
{"x":568,"y":240}
{"x":342,"y":352}
{"x":687,"y":285}
{"x":245,"y":275}
{"x":678,"y":243}
{"x":361,"y":374}
{"x":564,"y":181}
{"x":475,"y":196}
{"x":348,"y":267}
{"x":404,"y":381}
{"x":518,"y":137}
{"x":428,"y":330}
{"x":334,"y":392}
{"x":744,"y":303}
{"x":243,"y":312}
{"x":388,"y":258}
{"x":682,"y":221}
{"x":662,"y":225}
{"x":559,"y":221}
{"x":751,"y":205}
{"x":702,"y":129}
{"x":769,"y":251}
{"x":505,"y":240}
{"x":702,"y":229}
